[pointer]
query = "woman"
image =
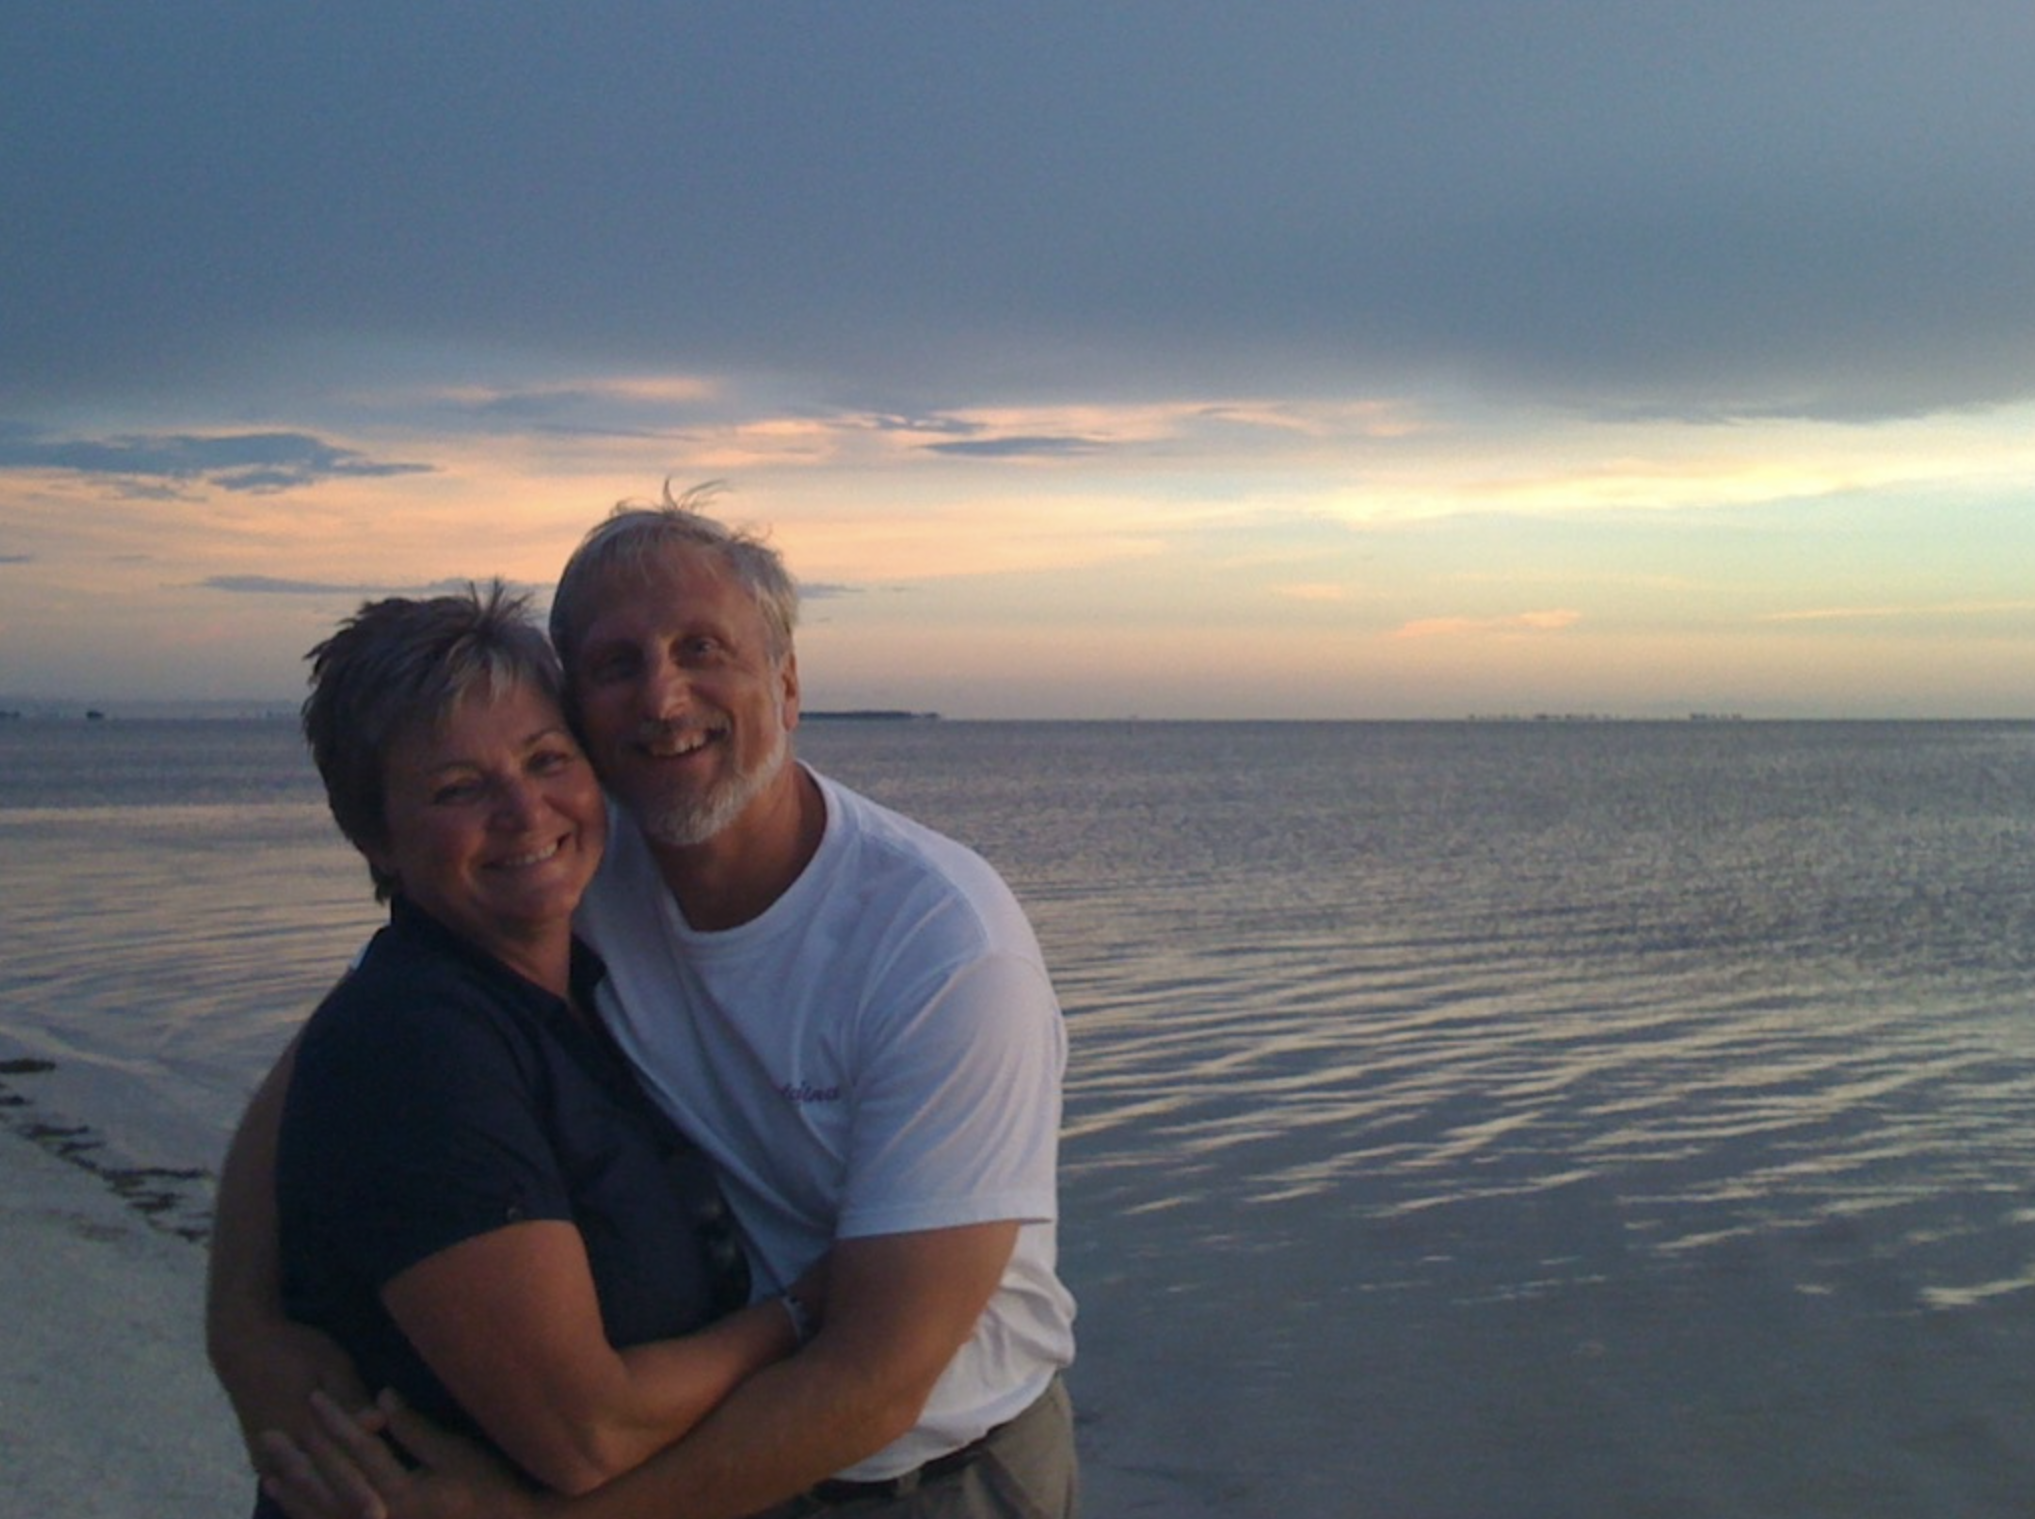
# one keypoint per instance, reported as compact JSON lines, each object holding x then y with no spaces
{"x":474,"y":1198}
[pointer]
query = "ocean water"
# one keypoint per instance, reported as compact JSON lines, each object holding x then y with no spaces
{"x":1506,"y":1119}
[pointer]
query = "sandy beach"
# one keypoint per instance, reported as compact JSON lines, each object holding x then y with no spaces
{"x":107,"y":1407}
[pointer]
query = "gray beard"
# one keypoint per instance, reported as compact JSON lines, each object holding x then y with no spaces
{"x":694,"y":820}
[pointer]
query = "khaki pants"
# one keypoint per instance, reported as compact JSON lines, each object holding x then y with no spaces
{"x":1026,"y":1470}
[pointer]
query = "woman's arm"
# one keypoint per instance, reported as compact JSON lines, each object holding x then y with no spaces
{"x":508,"y":1320}
{"x":510,"y":1323}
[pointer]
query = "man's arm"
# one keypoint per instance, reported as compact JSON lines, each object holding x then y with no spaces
{"x":959,"y":1096}
{"x":898,"y":1308}
{"x":267,"y":1364}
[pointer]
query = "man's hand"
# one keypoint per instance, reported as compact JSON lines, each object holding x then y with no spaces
{"x":345,"y":1469}
{"x":268,"y":1364}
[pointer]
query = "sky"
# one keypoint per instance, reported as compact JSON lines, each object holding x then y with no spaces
{"x":1184,"y":360}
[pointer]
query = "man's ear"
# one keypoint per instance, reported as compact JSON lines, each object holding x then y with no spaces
{"x":788,"y":674}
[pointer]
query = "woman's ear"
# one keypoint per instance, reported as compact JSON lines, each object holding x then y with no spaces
{"x":379,"y":860}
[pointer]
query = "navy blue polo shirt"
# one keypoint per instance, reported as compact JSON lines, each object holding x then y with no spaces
{"x":438,"y":1095}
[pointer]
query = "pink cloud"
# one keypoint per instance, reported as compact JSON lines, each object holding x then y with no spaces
{"x":1552,"y":621}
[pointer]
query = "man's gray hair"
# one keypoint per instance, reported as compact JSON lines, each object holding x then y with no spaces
{"x":399,"y":665}
{"x":632,"y":537}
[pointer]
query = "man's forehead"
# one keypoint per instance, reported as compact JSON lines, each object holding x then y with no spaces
{"x":676,"y":584}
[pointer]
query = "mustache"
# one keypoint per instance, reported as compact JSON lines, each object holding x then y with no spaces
{"x":665,"y":730}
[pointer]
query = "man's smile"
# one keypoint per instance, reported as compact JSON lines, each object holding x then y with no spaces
{"x":665,"y":741}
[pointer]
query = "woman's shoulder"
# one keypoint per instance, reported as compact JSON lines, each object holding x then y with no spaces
{"x":410,"y":998}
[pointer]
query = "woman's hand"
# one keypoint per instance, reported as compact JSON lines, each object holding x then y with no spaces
{"x":347,"y":1469}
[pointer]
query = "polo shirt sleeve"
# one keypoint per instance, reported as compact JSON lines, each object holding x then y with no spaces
{"x":412,"y":1123}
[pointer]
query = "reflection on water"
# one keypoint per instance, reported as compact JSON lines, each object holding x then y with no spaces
{"x":1685,"y":1074}
{"x":1670,"y":986}
{"x":1729,"y":979}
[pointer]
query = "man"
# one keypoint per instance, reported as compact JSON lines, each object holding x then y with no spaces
{"x":850,"y":1013}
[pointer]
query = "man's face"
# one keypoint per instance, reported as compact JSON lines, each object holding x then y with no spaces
{"x":686,"y":716}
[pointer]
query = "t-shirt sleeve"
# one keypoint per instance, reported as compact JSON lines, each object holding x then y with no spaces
{"x":957,"y":1102}
{"x":414,"y":1128}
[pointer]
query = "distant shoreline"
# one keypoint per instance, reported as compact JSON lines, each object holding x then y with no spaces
{"x":869,"y":715}
{"x":40,"y":711}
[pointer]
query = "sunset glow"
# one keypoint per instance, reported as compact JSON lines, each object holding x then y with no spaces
{"x":1503,"y":384}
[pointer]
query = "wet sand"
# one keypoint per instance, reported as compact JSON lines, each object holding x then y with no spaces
{"x":107,"y":1407}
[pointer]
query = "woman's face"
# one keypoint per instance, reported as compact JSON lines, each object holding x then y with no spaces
{"x":495,"y":823}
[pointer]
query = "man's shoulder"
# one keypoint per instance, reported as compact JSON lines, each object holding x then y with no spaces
{"x":900,"y":870}
{"x":880,"y":839}
{"x":866,"y":823}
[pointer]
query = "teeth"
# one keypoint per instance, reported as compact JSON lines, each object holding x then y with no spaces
{"x":534,"y":857}
{"x":675,"y":743}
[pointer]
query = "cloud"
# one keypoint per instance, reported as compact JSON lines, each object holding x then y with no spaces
{"x":882,"y":203}
{"x":1019,"y":448}
{"x":282,"y":585}
{"x":1222,"y":424}
{"x":1520,"y":623}
{"x":273,"y":585}
{"x":257,"y":462}
{"x":1890,"y":613}
{"x":620,"y":406}
{"x":276,"y":585}
{"x":17,"y":559}
{"x":930,"y":422}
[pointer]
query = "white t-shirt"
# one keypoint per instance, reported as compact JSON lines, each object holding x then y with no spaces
{"x":880,"y":1052}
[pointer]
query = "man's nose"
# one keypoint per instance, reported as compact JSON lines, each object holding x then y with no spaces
{"x":666,"y":690}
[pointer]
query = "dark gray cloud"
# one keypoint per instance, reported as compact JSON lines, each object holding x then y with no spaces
{"x":280,"y":585}
{"x":252,"y":462}
{"x":273,"y":585}
{"x":1018,"y":447}
{"x":17,"y":559}
{"x":1739,"y":207}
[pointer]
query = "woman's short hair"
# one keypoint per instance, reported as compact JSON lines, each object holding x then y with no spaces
{"x":635,"y":533}
{"x":399,"y":665}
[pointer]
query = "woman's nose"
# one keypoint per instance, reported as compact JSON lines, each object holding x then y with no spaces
{"x":518,"y":802}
